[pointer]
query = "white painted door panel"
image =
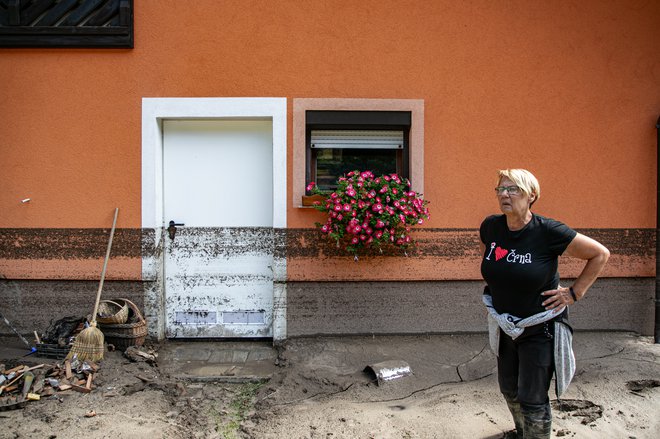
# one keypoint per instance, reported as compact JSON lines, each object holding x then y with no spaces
{"x":218,"y":268}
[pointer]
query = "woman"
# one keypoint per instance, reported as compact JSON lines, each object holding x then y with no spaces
{"x":520,"y":258}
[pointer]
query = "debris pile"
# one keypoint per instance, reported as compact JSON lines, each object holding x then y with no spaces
{"x":56,"y":341}
{"x":23,"y":383}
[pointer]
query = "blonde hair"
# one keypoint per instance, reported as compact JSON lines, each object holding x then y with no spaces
{"x":524,"y":179}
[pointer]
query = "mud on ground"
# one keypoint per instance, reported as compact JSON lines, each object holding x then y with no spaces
{"x":321,"y":391}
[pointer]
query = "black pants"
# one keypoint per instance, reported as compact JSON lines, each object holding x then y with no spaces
{"x":525,"y":367}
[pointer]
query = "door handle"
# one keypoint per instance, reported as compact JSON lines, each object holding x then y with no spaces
{"x":171,"y":230}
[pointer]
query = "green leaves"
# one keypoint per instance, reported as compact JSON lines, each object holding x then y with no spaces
{"x":368,"y":211}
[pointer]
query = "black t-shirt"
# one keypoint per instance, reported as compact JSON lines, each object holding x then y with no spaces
{"x":518,"y":266}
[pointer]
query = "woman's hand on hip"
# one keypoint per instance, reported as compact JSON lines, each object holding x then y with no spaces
{"x":557,"y":298}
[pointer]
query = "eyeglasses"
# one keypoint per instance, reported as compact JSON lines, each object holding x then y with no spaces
{"x":511,"y":190}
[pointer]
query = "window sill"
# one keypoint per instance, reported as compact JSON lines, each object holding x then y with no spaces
{"x":309,"y":200}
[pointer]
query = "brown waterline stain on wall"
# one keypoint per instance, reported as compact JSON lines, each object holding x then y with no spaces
{"x":438,"y":254}
{"x":461,"y":243}
{"x":68,"y":243}
{"x":131,"y":243}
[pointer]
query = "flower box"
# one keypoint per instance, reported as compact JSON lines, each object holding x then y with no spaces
{"x":313,"y":200}
{"x":370,"y":212}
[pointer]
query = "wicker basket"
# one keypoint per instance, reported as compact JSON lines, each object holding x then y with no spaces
{"x":111,"y":312}
{"x":131,"y":333}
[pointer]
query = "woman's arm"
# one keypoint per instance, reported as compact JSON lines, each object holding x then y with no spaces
{"x":596,"y":255}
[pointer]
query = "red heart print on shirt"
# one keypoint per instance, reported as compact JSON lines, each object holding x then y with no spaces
{"x":500,"y":253}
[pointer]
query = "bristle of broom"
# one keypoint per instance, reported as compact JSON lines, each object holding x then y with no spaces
{"x":88,"y":345}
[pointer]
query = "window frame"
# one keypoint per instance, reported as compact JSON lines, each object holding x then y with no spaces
{"x":415,"y":137}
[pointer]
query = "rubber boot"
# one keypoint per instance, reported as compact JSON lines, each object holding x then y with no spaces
{"x":537,"y":425}
{"x":518,"y":420}
{"x":511,"y":434}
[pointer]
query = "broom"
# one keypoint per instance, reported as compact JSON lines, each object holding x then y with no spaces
{"x":88,"y":345}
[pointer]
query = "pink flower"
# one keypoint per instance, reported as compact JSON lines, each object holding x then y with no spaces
{"x":310,"y":186}
{"x":380,"y":210}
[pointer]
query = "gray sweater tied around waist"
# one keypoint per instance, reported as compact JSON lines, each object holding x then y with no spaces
{"x":514,"y":326}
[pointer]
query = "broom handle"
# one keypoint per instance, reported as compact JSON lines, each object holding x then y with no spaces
{"x":105,"y":266}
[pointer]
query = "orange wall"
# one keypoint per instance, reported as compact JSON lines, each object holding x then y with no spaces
{"x":569,"y":90}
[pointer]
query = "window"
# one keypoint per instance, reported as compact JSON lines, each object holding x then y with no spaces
{"x":341,"y":141}
{"x":332,"y":136}
{"x":335,"y":152}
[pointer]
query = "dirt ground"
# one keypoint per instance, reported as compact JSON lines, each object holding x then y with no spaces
{"x":321,"y":391}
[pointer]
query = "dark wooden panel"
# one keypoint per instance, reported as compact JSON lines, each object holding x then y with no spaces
{"x":24,"y":31}
{"x":77,"y":16}
{"x":105,"y":13}
{"x":66,"y":23}
{"x":56,"y":13}
{"x":32,"y":12}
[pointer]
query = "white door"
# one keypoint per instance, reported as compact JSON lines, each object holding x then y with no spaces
{"x":218,"y":191}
